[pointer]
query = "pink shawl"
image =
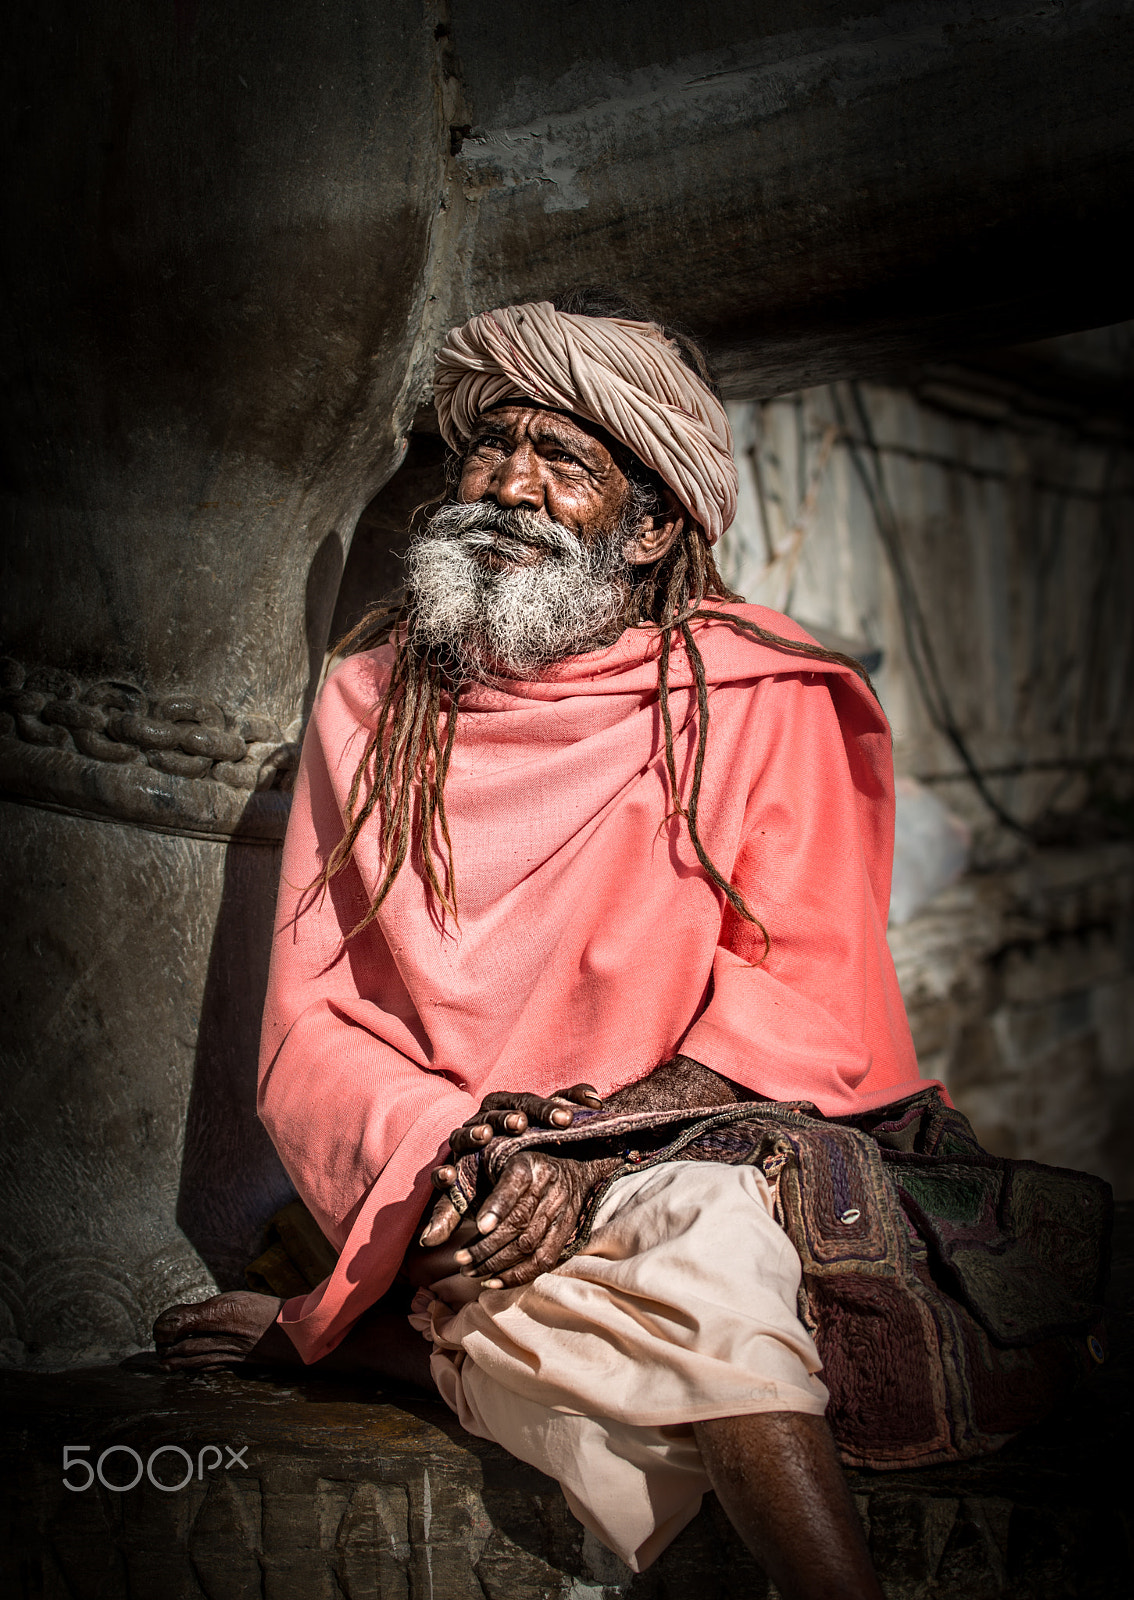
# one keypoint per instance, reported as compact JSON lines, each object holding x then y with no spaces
{"x":591,"y":945}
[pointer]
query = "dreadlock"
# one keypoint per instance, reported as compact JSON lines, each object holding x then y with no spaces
{"x":403,"y":768}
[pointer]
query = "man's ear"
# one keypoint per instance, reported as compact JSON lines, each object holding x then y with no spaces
{"x":656,"y":532}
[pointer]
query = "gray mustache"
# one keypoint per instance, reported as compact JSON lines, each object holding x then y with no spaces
{"x":482,"y":524}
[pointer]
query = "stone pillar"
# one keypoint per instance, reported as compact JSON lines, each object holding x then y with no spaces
{"x":217,"y":254}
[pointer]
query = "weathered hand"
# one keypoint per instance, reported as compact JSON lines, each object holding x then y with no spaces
{"x":529,"y":1217}
{"x":510,"y":1111}
{"x":504,"y":1112}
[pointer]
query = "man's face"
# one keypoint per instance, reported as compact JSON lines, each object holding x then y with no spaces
{"x":533,"y":560}
{"x":555,"y":465}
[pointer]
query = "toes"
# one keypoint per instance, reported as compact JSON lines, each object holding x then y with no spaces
{"x":200,"y":1363}
{"x":219,"y":1314}
{"x":193,"y":1308}
{"x":223,"y":1349}
{"x":173,"y":1322}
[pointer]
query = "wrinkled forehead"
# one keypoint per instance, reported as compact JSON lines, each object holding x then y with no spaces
{"x":510,"y":410}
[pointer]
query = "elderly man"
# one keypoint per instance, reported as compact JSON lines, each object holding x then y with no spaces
{"x":580,"y":814}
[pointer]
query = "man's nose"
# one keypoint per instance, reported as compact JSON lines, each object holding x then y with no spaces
{"x":517,"y":480}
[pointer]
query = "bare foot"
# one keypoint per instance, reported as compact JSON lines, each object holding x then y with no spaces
{"x":238,"y":1327}
{"x":223,"y":1331}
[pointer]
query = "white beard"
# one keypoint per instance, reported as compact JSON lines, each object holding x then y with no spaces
{"x":514,"y":622}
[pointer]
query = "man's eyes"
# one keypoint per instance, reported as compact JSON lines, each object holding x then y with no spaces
{"x":493,"y":442}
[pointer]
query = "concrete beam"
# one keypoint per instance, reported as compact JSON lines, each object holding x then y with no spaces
{"x":819,"y":190}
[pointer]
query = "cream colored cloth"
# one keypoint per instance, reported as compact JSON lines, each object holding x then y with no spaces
{"x":682,"y":1306}
{"x":626,"y":376}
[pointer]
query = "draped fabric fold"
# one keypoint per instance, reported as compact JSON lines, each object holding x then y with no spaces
{"x":591,"y":944}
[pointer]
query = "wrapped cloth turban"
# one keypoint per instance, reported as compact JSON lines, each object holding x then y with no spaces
{"x":625,"y":376}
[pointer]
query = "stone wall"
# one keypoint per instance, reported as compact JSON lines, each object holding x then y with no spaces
{"x":1020,"y":990}
{"x":217,"y":285}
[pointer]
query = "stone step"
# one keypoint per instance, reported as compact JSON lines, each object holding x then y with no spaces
{"x":321,"y":1490}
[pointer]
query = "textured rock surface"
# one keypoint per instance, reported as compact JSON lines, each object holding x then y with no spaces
{"x":819,"y":188}
{"x":217,"y":244}
{"x":345,"y":1493}
{"x":218,"y":241}
{"x":130,"y":1019}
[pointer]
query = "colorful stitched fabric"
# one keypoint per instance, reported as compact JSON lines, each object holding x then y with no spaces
{"x":951,"y":1293}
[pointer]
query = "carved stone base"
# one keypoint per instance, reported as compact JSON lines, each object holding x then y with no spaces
{"x":133,"y":1170}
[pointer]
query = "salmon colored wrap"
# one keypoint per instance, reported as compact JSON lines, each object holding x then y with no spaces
{"x":591,"y":944}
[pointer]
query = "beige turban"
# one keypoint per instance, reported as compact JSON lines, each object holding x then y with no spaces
{"x":626,"y":376}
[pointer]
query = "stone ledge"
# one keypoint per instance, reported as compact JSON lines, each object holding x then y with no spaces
{"x":345,"y":1494}
{"x":199,"y":808}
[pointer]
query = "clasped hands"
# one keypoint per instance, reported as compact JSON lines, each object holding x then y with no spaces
{"x":520,"y":1230}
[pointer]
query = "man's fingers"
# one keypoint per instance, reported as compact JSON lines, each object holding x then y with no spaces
{"x":443,"y":1221}
{"x":522,"y":1232}
{"x":551,"y":1112}
{"x":476,"y":1133}
{"x":514,"y":1198}
{"x":525,"y":1222}
{"x":507,"y":1111}
{"x":523,"y":1272}
{"x":528,"y":1216}
{"x":583,"y":1094}
{"x":512,"y":1204}
{"x":539,"y":1242}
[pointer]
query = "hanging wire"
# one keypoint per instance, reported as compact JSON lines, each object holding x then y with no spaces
{"x":919,"y":646}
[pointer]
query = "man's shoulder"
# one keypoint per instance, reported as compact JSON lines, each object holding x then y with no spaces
{"x":742,"y":641}
{"x":759,"y":650}
{"x":354,"y":686}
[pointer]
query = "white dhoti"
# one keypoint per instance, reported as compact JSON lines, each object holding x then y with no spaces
{"x":682,"y":1306}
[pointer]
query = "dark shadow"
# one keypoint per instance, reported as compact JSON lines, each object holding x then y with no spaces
{"x":374,"y":564}
{"x":231,"y":1178}
{"x":323,"y":579}
{"x":232,"y":1181}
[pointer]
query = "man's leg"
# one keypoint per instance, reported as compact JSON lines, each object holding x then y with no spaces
{"x":779,"y":1481}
